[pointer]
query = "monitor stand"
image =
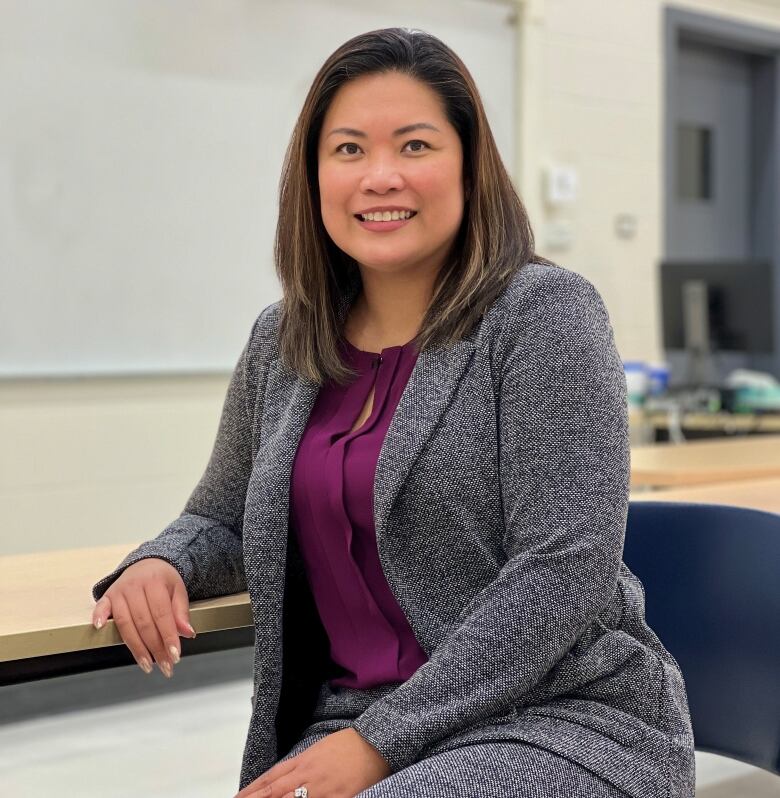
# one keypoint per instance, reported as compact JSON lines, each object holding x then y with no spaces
{"x":701,"y":368}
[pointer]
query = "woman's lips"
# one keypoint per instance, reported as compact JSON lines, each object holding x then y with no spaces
{"x":384,"y":227}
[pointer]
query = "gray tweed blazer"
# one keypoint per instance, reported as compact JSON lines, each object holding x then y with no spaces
{"x":500,"y":504}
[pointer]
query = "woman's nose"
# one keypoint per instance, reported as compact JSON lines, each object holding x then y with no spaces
{"x":381,"y":175}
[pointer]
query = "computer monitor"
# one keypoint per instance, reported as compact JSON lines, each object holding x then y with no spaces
{"x":717,"y":315}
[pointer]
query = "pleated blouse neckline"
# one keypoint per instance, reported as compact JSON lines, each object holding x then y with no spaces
{"x":350,"y":347}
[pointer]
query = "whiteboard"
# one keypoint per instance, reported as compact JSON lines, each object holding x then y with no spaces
{"x":141,"y":144}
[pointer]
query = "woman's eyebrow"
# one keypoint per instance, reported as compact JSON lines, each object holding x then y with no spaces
{"x":350,"y":131}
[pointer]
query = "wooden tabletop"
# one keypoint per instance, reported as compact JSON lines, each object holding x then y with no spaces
{"x":702,"y":462}
{"x":46,"y":603}
{"x":763,"y":494}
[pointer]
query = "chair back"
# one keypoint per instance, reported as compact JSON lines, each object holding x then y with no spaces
{"x":712,"y":595}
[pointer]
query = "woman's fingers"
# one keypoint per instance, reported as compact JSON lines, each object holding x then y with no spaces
{"x":161,"y":608}
{"x":101,"y":612}
{"x":138,"y":602}
{"x":126,"y":626}
{"x":181,"y":609}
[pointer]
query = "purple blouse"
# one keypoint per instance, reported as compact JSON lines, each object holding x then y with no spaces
{"x":332,"y":515}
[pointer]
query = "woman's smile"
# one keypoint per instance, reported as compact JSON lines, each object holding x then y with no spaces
{"x":384,"y":225}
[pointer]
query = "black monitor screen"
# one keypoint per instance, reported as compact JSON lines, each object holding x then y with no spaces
{"x":739,"y":301}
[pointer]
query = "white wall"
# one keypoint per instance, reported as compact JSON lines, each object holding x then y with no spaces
{"x":141,"y":145}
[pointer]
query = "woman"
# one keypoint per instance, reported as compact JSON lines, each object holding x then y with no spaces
{"x":421,"y":476}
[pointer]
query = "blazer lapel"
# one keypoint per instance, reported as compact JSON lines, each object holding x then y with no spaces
{"x":432,"y":383}
{"x":287,"y":405}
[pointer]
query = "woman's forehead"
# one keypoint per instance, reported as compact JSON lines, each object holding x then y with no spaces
{"x":382,"y":105}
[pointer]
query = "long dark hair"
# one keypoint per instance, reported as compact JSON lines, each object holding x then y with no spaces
{"x":319,"y":280}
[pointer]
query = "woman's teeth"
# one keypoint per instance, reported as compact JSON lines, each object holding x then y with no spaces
{"x":386,"y":216}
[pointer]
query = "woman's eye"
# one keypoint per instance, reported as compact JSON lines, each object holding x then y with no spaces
{"x":341,"y":149}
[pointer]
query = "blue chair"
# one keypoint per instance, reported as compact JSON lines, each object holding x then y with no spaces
{"x":712,"y":582}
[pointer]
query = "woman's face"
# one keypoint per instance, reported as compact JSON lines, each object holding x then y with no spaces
{"x":367,"y":158}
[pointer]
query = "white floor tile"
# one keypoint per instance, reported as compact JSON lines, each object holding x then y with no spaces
{"x":189,"y":744}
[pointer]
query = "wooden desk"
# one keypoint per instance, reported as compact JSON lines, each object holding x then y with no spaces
{"x":46,"y":616}
{"x":705,"y":462}
{"x":757,"y":495}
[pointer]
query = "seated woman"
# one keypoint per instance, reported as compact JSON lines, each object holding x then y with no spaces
{"x":421,"y":476}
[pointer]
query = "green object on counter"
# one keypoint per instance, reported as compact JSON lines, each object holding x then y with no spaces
{"x":748,"y":399}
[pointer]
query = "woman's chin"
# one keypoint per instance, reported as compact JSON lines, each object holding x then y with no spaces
{"x":386,"y":265}
{"x":385,"y":259}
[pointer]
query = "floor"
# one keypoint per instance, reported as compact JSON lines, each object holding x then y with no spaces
{"x":176,"y":739}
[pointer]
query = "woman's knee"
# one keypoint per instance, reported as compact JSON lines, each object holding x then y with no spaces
{"x":444,"y":775}
{"x":493,"y":770}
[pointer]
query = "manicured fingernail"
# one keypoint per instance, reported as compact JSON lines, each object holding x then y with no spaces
{"x":174,"y":654}
{"x":194,"y":634}
{"x":146,"y":666}
{"x":98,"y":623}
{"x":165,"y":667}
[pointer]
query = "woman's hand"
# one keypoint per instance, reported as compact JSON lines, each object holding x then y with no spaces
{"x":150,"y":607}
{"x":338,"y":766}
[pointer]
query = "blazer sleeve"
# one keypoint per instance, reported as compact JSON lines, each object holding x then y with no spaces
{"x":205,"y":543}
{"x":564,"y":462}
